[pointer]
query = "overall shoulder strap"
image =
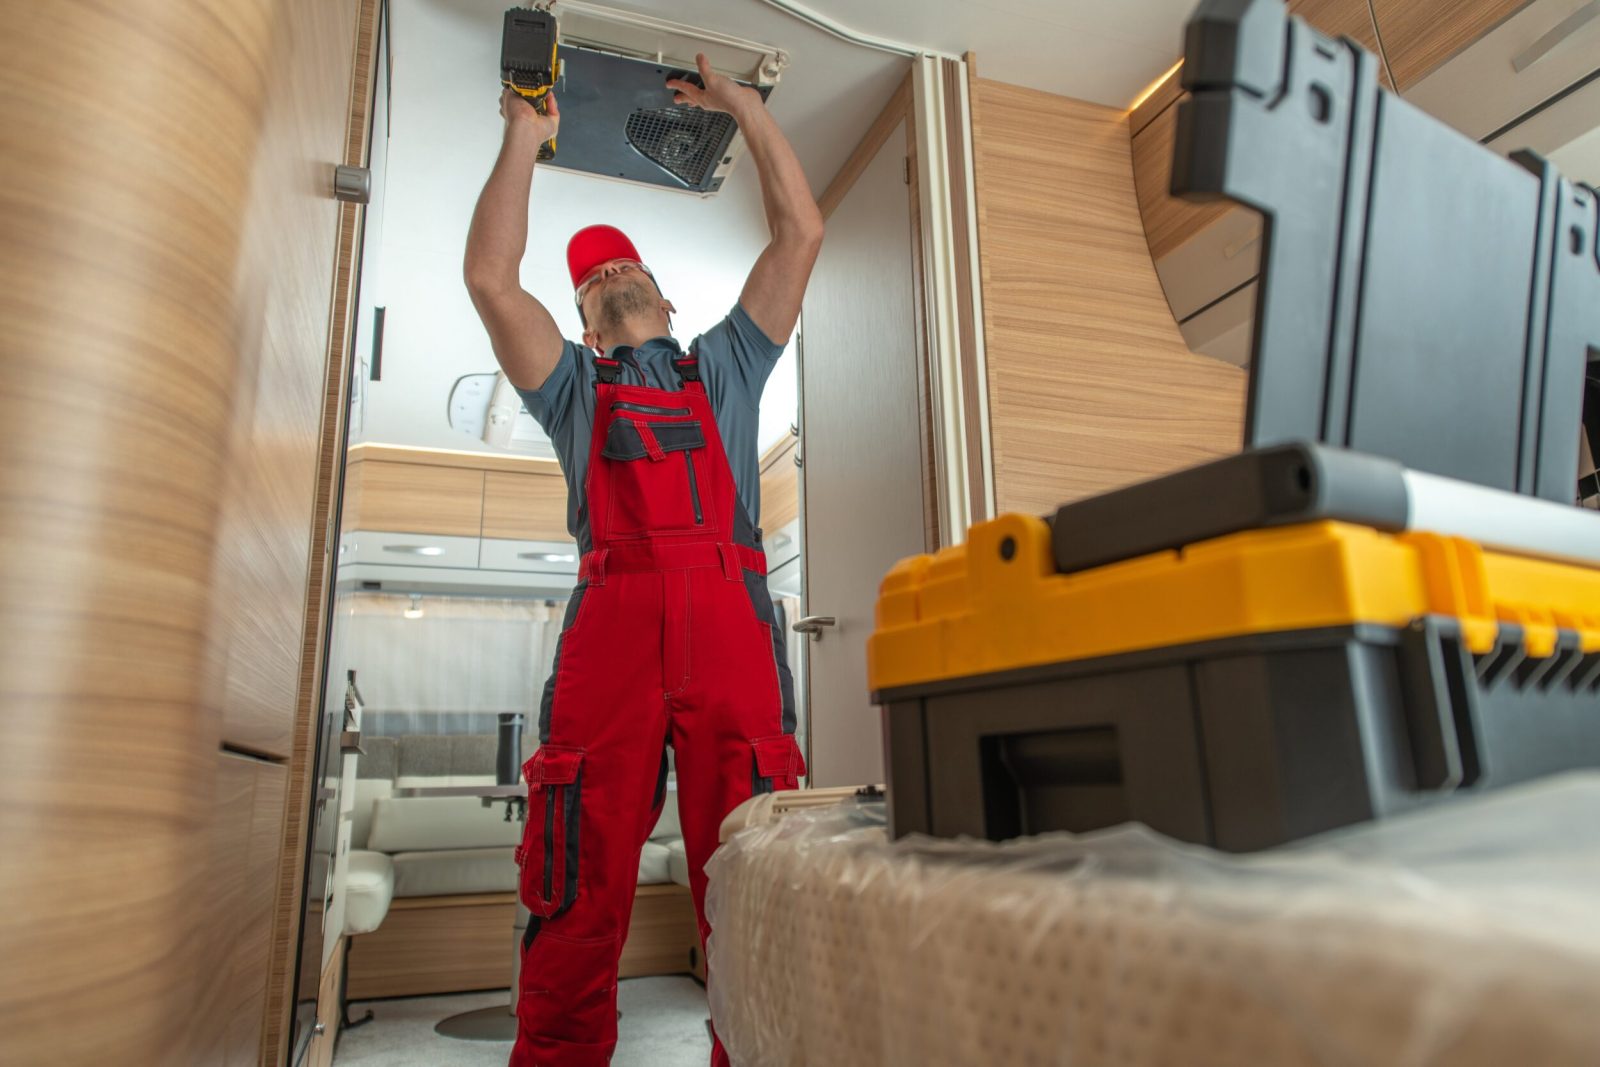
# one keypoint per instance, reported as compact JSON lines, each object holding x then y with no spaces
{"x":606,"y":371}
{"x":688,"y":367}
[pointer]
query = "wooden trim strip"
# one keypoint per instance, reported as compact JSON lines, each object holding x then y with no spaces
{"x":286,"y":933}
{"x":779,"y":452}
{"x":898,"y":107}
{"x":443,"y":457}
{"x":1162,"y":97}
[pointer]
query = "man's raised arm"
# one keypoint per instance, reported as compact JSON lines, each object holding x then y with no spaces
{"x":777,"y":282}
{"x":526,"y":340}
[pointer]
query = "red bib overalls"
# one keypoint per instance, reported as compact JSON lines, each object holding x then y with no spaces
{"x":669,"y":639}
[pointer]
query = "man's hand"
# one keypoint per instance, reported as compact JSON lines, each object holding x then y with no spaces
{"x":518,"y":109}
{"x":719,"y":94}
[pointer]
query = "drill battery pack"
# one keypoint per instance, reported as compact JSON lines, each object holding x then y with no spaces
{"x":528,"y":62}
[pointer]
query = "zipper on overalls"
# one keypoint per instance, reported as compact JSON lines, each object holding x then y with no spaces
{"x":647,"y":409}
{"x":694,"y":488}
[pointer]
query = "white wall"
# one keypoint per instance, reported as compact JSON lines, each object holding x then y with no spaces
{"x":444,"y":134}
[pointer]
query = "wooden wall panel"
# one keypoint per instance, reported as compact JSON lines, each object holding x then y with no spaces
{"x":418,"y":498}
{"x":1342,"y":18}
{"x":282,"y":292}
{"x":1090,"y":384}
{"x":528,"y":507}
{"x":119,"y":328}
{"x":238,"y":907}
{"x":228,"y":861}
{"x":1419,"y":35}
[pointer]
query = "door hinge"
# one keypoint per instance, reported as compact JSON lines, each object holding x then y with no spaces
{"x":908,"y":169}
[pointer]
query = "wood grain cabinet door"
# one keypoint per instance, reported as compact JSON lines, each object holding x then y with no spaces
{"x":420,"y":498}
{"x":525,"y":507}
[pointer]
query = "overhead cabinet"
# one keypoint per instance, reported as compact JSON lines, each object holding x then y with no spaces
{"x":1479,"y":65}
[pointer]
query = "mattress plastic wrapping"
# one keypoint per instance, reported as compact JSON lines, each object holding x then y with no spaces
{"x":1467,"y":934}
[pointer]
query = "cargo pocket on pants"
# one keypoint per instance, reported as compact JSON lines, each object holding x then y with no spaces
{"x":548,"y":856}
{"x":777,"y":764}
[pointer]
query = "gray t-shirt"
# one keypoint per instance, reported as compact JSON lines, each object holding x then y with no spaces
{"x":735,"y":360}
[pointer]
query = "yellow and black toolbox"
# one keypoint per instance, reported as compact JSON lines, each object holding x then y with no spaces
{"x":1239,"y":690}
{"x":1388,"y":598}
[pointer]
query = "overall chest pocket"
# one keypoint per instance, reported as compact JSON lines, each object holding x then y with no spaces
{"x":655,"y":474}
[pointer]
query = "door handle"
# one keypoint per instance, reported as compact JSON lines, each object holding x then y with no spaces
{"x":813,"y":624}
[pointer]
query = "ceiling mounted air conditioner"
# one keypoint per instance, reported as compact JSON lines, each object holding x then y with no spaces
{"x":486,"y":406}
{"x":618,"y":120}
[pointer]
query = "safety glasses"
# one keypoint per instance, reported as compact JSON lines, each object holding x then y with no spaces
{"x":621,"y":265}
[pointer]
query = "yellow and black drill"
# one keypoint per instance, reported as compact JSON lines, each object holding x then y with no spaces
{"x":528,"y":62}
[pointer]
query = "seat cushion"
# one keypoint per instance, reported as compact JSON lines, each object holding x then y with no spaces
{"x":368,"y":889}
{"x":655,"y":864}
{"x":450,"y":872}
{"x":367,"y":792}
{"x":409,"y":824}
{"x":677,"y":861}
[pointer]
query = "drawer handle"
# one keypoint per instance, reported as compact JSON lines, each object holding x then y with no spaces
{"x":1564,"y":29}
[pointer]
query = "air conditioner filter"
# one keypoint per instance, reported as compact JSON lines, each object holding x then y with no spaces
{"x":686,"y":142}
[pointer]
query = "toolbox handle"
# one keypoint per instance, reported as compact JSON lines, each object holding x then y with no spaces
{"x":1440,"y":699}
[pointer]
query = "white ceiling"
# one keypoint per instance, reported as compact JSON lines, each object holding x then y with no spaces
{"x":1100,"y":50}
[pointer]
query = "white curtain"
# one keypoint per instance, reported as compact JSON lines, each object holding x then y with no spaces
{"x":453,"y":669}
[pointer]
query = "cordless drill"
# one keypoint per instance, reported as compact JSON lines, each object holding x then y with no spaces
{"x":528,"y":63}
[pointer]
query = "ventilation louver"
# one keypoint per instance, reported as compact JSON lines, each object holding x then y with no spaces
{"x":686,"y":143}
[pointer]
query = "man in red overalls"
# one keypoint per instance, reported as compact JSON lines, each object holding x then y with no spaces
{"x":670,"y":637}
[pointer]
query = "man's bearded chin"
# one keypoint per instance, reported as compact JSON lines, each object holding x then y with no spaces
{"x":622,"y":302}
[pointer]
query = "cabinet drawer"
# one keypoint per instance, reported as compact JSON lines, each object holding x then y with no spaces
{"x":396,"y":549}
{"x":541,"y":557}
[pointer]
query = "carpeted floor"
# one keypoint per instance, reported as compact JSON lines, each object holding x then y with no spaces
{"x":663,"y":1025}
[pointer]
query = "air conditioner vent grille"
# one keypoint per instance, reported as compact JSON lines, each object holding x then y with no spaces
{"x":686,"y":142}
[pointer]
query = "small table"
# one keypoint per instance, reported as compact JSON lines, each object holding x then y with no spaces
{"x":497,"y":1023}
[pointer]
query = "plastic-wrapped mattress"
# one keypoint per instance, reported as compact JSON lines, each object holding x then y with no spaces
{"x":1465,"y":935}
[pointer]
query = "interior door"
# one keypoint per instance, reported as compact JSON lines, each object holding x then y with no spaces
{"x":861,"y":453}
